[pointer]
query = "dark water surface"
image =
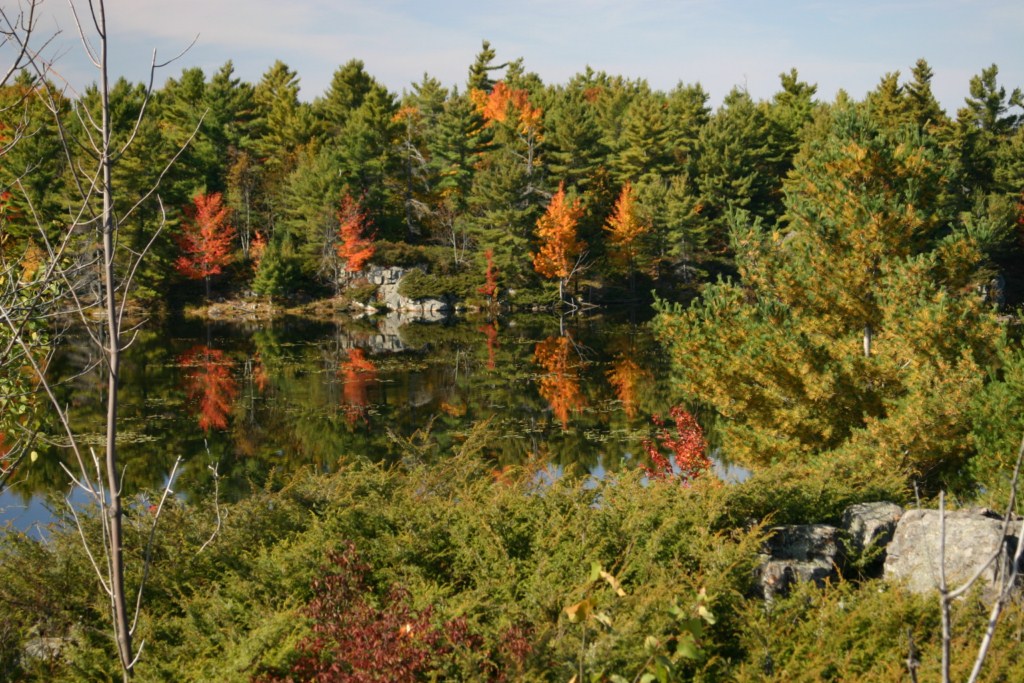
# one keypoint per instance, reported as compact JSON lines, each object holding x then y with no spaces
{"x":256,"y":398}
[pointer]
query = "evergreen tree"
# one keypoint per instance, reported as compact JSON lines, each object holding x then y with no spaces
{"x":837,"y":337}
{"x":736,"y":164}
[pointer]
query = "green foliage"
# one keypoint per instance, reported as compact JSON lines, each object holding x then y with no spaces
{"x":420,"y":285}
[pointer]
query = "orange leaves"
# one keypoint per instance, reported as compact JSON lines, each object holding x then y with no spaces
{"x":206,"y":237}
{"x":209,"y":386}
{"x":356,"y":372}
{"x":626,"y":377}
{"x":356,"y":247}
{"x":556,"y":232}
{"x":560,"y":385}
{"x":257,"y":249}
{"x":504,"y":103}
{"x":625,"y":227}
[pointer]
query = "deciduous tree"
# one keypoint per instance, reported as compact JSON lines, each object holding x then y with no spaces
{"x":206,"y":240}
{"x":356,"y":246}
{"x":559,"y":250}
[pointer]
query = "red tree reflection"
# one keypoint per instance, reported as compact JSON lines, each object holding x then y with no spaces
{"x":356,"y":372}
{"x":490,"y":330}
{"x":209,"y":386}
{"x":560,"y":383}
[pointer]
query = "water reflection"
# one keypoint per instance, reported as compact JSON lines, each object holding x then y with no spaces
{"x":254,"y":399}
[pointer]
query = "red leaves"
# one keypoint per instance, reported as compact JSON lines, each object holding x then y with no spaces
{"x":356,"y":247}
{"x":206,"y":238}
{"x":209,"y":386}
{"x":357,"y":641}
{"x":556,"y":232}
{"x":490,"y":286}
{"x":688,"y":448}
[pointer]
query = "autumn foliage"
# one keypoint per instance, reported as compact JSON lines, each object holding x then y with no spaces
{"x":355,"y":246}
{"x":687,"y":447}
{"x":490,"y":286}
{"x":206,"y":238}
{"x":360,"y":640}
{"x":625,"y":228}
{"x":560,"y":383}
{"x":559,"y":246}
{"x":507,"y":105}
{"x":626,"y":377}
{"x":209,"y":385}
{"x":356,"y":373}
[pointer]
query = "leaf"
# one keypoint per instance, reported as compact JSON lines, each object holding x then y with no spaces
{"x":647,"y":678}
{"x":595,"y":570}
{"x":705,"y":614}
{"x":603,"y":618}
{"x":614,"y":583}
{"x":686,"y":646}
{"x":33,"y":456}
{"x":580,"y":611}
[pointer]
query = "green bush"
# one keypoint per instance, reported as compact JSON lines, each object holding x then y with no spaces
{"x":531,"y":576}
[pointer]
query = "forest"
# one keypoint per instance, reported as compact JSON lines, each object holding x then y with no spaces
{"x":838,"y":283}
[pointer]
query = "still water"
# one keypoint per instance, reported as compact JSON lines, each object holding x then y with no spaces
{"x":246,"y":400}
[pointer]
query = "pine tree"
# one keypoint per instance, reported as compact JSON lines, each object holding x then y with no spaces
{"x":838,"y":337}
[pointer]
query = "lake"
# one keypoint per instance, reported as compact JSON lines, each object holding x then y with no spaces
{"x":238,"y":402}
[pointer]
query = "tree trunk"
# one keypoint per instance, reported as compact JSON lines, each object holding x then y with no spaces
{"x":119,"y":603}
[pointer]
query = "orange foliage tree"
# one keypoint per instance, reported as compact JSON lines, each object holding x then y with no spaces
{"x":206,"y":238}
{"x":356,"y":372}
{"x":560,"y":250}
{"x":560,"y":383}
{"x":356,"y":246}
{"x":209,"y":385}
{"x":626,"y":377}
{"x":625,"y":229}
{"x":503,"y":103}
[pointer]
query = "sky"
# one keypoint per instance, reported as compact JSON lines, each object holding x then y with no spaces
{"x":719,"y":43}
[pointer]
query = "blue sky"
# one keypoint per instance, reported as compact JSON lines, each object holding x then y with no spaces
{"x":719,"y":43}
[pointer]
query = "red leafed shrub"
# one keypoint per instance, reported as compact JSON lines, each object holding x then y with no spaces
{"x":687,"y":447}
{"x":356,"y":641}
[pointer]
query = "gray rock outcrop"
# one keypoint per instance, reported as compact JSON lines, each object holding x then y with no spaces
{"x":972,"y":540}
{"x":869,"y":528}
{"x":800,"y":552}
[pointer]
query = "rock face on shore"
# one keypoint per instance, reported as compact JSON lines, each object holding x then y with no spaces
{"x":388,"y":280}
{"x":903,"y":546}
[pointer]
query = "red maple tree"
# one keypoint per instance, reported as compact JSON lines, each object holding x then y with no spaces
{"x":560,"y":248}
{"x":209,"y":385}
{"x":206,"y":238}
{"x":490,"y":286}
{"x":356,"y":246}
{"x":688,"y":448}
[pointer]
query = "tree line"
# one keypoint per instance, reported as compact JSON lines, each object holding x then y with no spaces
{"x":602,"y":177}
